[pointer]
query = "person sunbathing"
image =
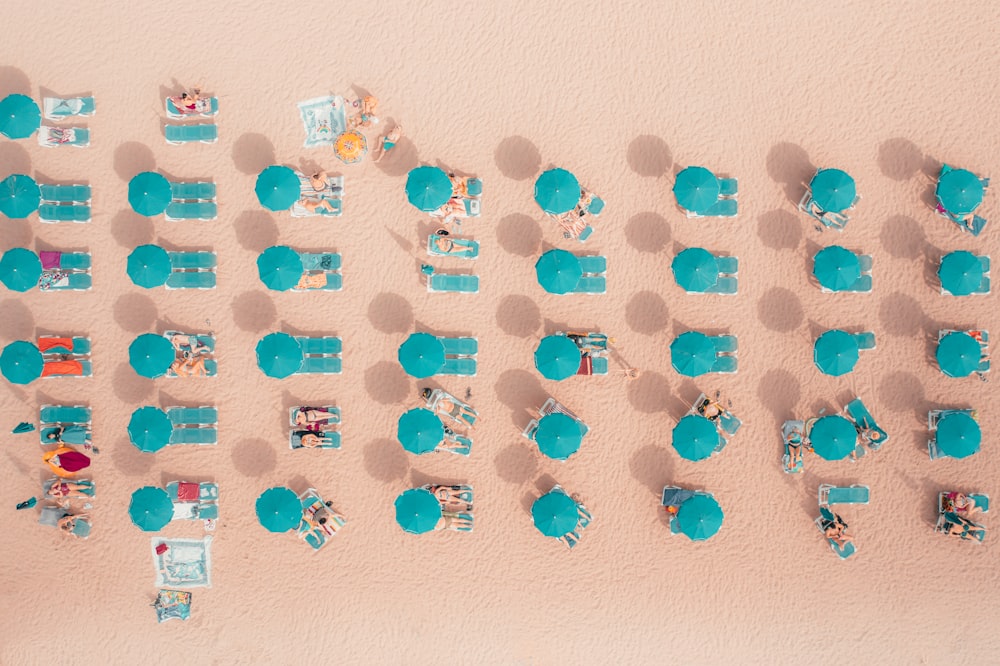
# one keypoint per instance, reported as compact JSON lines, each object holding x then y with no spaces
{"x":963,"y":528}
{"x":453,"y":209}
{"x":67,"y":523}
{"x":834,"y":530}
{"x":188,"y":102}
{"x":71,"y":434}
{"x":314,"y":418}
{"x":448,"y":405}
{"x":959,"y":503}
{"x":454,"y":521}
{"x":366,"y":117}
{"x":192,"y":366}
{"x":311,"y":281}
{"x":387,"y":142}
{"x":711,"y":409}
{"x":794,"y":443}
{"x":70,"y":489}
{"x":591,"y":343}
{"x":309,"y":439}
{"x":189,"y":345}
{"x":65,"y":461}
{"x":447,"y":495}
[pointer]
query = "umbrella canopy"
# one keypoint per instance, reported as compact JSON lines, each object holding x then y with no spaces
{"x":279,"y":267}
{"x":960,"y":273}
{"x":149,"y":193}
{"x":836,"y":268}
{"x":696,"y":189}
{"x":20,"y":117}
{"x":277,"y":188}
{"x":428,"y":188}
{"x":555,"y":514}
{"x":695,"y":269}
{"x":149,"y":429}
{"x":151,"y":508}
{"x":19,"y":196}
{"x":700,"y":517}
{"x":557,"y":191}
{"x":959,"y":191}
{"x":558,"y":271}
{"x":421,"y":355}
{"x":21,"y":362}
{"x":557,"y":357}
{"x":958,"y":435}
{"x":835,"y":352}
{"x":695,"y":437}
{"x":833,"y":437}
{"x":692,"y":353}
{"x":417,"y":511}
{"x":20,"y":269}
{"x":148,"y":266}
{"x":958,"y":354}
{"x":558,"y":436}
{"x":420,"y":431}
{"x":279,"y":355}
{"x":279,"y":509}
{"x":350,"y":146}
{"x":833,"y":190}
{"x":150,"y":355}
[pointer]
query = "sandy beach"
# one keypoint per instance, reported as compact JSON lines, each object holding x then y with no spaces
{"x":624,"y":95}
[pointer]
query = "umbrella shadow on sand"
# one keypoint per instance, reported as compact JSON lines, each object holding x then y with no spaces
{"x":649,"y":156}
{"x":254,"y":457}
{"x":789,"y":165}
{"x":647,"y":231}
{"x":779,"y":229}
{"x":15,"y":159}
{"x":252,"y":153}
{"x":519,"y":316}
{"x":517,"y":158}
{"x":519,"y":234}
{"x":385,"y":460}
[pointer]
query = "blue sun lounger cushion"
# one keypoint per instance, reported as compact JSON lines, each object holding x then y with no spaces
{"x":191,"y":210}
{"x":63,"y":213}
{"x":179,"y":134}
{"x":193,"y":191}
{"x":442,"y":282}
{"x":830,"y":494}
{"x":65,"y":194}
{"x":460,"y":346}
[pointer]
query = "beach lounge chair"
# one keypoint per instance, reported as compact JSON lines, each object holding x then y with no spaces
{"x":211,"y":367}
{"x":726,"y":422}
{"x":463,"y":413}
{"x":462,"y":248}
{"x":830,"y":494}
{"x":58,"y":108}
{"x":727,"y":265}
{"x":51,"y":213}
{"x":191,"y":210}
{"x":314,"y":510}
{"x":865,"y":340}
{"x":864,"y":421}
{"x":671,"y":500}
{"x":51,"y":417}
{"x":327,"y":263}
{"x":982,"y":502}
{"x":89,"y":489}
{"x":79,"y":346}
{"x":789,"y":430}
{"x":826,"y":519}
{"x":725,"y":285}
{"x":193,"y":425}
{"x":180,"y":134}
{"x":585,"y":518}
{"x":442,"y":282}
{"x":726,"y":344}
{"x":327,"y":430}
{"x":65,"y":194}
{"x":321,"y":355}
{"x":194,"y":501}
{"x":460,"y":346}
{"x":462,"y":366}
{"x":553,"y":406}
{"x":455,"y":443}
{"x":329,"y":439}
{"x":728,"y":187}
{"x":721,"y":208}
{"x":462,"y":492}
{"x":335,"y":208}
{"x":321,"y":365}
{"x":971,"y":531}
{"x":191,"y":280}
{"x":725,"y":365}
{"x":50,"y":137}
{"x":206,"y":107}
{"x":196,"y":191}
{"x":191,"y":270}
{"x":51,"y":515}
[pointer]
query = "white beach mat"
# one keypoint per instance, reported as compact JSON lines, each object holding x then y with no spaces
{"x":323,"y":119}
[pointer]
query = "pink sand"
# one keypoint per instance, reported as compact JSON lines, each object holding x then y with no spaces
{"x":623,"y":94}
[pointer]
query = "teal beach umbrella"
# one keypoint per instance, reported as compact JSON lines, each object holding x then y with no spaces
{"x":20,"y":117}
{"x":21,"y":362}
{"x":696,"y":189}
{"x":428,"y":188}
{"x":421,"y":355}
{"x":836,"y":268}
{"x":695,"y":269}
{"x":279,"y":267}
{"x":699,"y":517}
{"x":19,"y":196}
{"x":150,"y":355}
{"x":558,"y":271}
{"x":958,"y":354}
{"x":20,"y":269}
{"x":149,"y":193}
{"x":555,"y":514}
{"x":695,"y":437}
{"x":149,"y":429}
{"x":833,"y":190}
{"x":833,"y":437}
{"x":278,"y":509}
{"x":558,"y":436}
{"x":692,"y":353}
{"x":958,"y":435}
{"x":279,"y":355}
{"x":835,"y":352}
{"x":960,"y":273}
{"x":417,"y":511}
{"x":557,"y":357}
{"x":557,"y":191}
{"x":277,"y":188}
{"x":148,"y":266}
{"x":959,"y":191}
{"x":420,"y":431}
{"x":151,"y":509}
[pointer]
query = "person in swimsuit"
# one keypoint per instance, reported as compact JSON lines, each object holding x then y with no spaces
{"x":314,"y":418}
{"x":794,"y":443}
{"x":71,"y":434}
{"x":191,"y":366}
{"x":453,"y":521}
{"x":69,"y":489}
{"x":963,"y":528}
{"x":187,"y":102}
{"x":314,"y":191}
{"x":451,"y":495}
{"x":366,"y":117}
{"x":834,"y":530}
{"x":387,"y":142}
{"x":311,"y":440}
{"x":67,"y":523}
{"x":189,"y":345}
{"x":711,"y":410}
{"x":960,"y":504}
{"x":448,"y":405}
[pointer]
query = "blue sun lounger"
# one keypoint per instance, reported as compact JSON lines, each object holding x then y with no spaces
{"x":584,"y":519}
{"x":827,"y":518}
{"x":51,"y":417}
{"x":459,"y":346}
{"x":51,"y":213}
{"x":65,"y":194}
{"x":721,"y":208}
{"x":830,"y":494}
{"x":327,"y":263}
{"x":864,"y":420}
{"x":462,"y":248}
{"x":180,"y":134}
{"x":75,"y":137}
{"x":442,"y":282}
{"x":191,"y":270}
{"x":463,"y":366}
{"x":321,"y":355}
{"x":191,"y":210}
{"x":194,"y":191}
{"x":193,"y":425}
{"x":51,"y":515}
{"x":58,"y":108}
{"x":728,"y":188}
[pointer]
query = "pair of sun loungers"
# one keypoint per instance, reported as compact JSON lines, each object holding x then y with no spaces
{"x":60,"y":109}
{"x":333,"y":196}
{"x":328,"y":430}
{"x":65,"y":271}
{"x":191,"y":270}
{"x":572,"y":538}
{"x":552,"y":406}
{"x":320,"y":355}
{"x":190,"y":133}
{"x":726,"y":205}
{"x":194,"y":501}
{"x":870,"y":435}
{"x":64,"y":203}
{"x":951,"y":519}
{"x":193,"y":425}
{"x":192,"y":201}
{"x":456,"y":506}
{"x":71,"y":423}
{"x":327,"y":264}
{"x":70,"y":359}
{"x":205,"y":342}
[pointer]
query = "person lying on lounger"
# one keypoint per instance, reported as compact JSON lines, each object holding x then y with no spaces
{"x":963,"y":528}
{"x":960,"y":504}
{"x":834,"y":530}
{"x":71,"y":434}
{"x":70,"y":489}
{"x":453,"y":209}
{"x":448,"y":405}
{"x":794,"y":443}
{"x":325,"y":518}
{"x":591,"y":343}
{"x":314,"y":418}
{"x":67,"y":523}
{"x":309,"y":439}
{"x":451,"y":495}
{"x":192,"y":366}
{"x":189,"y":345}
{"x":711,"y":409}
{"x":188,"y":102}
{"x":453,"y":521}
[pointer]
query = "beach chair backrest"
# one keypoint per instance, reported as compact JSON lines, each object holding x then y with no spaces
{"x":727,"y":265}
{"x":460,"y":346}
{"x":191,"y":280}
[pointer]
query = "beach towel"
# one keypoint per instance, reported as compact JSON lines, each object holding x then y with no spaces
{"x":50,"y":342}
{"x":172,"y":605}
{"x":23,"y":427}
{"x":185,"y":562}
{"x":62,"y":368}
{"x":50,"y":259}
{"x":323,"y":119}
